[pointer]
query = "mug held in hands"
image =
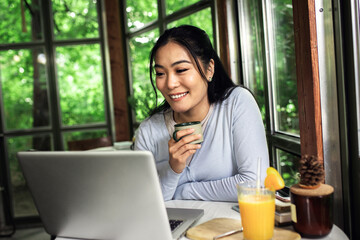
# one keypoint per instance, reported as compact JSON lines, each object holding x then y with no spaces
{"x":195,"y":125}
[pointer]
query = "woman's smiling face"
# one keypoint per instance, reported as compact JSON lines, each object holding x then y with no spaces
{"x":180,"y":82}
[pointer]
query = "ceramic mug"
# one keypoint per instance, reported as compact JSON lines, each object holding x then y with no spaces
{"x":195,"y":125}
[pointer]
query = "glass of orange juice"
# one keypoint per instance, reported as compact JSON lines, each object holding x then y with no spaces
{"x":257,"y":211}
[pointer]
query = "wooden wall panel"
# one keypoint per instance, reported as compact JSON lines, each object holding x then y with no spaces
{"x":307,"y":72}
{"x":118,"y":70}
{"x":224,"y":54}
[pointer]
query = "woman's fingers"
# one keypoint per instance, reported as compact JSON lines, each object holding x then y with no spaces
{"x":181,"y":150}
{"x":180,"y":134}
{"x":184,"y":144}
{"x":184,"y":136}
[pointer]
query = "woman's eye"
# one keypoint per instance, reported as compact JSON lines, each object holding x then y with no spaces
{"x":181,"y":70}
{"x":158,"y":74}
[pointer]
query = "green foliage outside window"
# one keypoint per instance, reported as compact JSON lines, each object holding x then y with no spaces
{"x":254,"y":51}
{"x":143,"y":98}
{"x":289,"y":165}
{"x":140,"y":12}
{"x":75,"y":19}
{"x":285,"y":87}
{"x":19,"y":75}
{"x":11,"y":28}
{"x":174,"y":5}
{"x":201,"y":19}
{"x":80,"y":84}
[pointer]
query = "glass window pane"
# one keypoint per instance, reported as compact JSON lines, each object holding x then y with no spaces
{"x":80,"y":80}
{"x":24,"y":88}
{"x":22,"y":201}
{"x":174,"y":5}
{"x":20,"y":22}
{"x":80,"y":135}
{"x":75,"y":19}
{"x":140,"y":12}
{"x":143,"y":99}
{"x":201,"y":19}
{"x":282,"y":62}
{"x":288,"y":166}
{"x":252,"y":48}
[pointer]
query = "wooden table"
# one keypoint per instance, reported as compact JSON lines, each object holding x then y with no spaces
{"x":223,"y":210}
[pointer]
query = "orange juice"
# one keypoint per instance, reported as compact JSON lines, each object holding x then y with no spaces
{"x":257,"y":215}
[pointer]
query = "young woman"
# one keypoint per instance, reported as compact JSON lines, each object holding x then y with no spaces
{"x":190,"y":76}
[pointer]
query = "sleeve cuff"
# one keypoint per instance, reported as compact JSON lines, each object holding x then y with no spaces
{"x":168,"y":180}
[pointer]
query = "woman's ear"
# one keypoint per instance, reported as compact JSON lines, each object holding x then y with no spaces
{"x":210,"y":70}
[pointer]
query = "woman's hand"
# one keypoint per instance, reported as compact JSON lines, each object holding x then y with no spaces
{"x":181,"y":150}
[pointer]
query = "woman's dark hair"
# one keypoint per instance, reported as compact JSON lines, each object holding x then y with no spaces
{"x":197,"y":42}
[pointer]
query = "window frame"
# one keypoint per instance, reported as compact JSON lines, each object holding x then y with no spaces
{"x":346,"y":81}
{"x":287,"y":142}
{"x":55,"y":129}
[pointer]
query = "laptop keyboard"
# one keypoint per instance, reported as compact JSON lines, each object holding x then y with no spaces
{"x":174,"y":224}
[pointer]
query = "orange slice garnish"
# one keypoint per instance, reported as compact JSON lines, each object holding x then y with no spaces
{"x":273,"y":180}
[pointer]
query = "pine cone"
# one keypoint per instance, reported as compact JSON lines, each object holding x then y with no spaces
{"x":311,"y":172}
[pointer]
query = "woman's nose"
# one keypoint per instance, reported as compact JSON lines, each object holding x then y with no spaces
{"x":172,"y":81}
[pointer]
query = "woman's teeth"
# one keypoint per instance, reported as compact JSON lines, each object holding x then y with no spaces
{"x":178,"y":95}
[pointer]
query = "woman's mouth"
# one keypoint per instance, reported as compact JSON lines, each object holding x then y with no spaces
{"x":178,"y":96}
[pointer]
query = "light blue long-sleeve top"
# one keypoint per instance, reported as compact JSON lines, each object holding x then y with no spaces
{"x":234,"y":139}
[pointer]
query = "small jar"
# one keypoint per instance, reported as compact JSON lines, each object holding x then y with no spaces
{"x":312,"y":210}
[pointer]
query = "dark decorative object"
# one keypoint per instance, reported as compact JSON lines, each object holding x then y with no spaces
{"x":311,"y":200}
{"x":311,"y":172}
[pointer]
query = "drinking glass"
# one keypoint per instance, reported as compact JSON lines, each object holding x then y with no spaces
{"x":257,"y":211}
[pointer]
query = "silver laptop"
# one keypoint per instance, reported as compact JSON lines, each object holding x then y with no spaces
{"x":101,"y":195}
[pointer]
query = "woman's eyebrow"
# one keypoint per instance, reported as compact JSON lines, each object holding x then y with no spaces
{"x":173,"y":64}
{"x":158,"y":66}
{"x":179,"y":62}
